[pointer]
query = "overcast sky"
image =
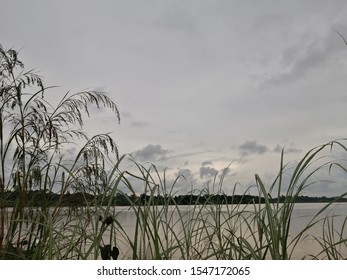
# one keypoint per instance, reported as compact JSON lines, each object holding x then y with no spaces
{"x":200,"y":84}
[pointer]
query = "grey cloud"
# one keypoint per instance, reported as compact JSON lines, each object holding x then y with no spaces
{"x":207,"y":162}
{"x":186,"y":180}
{"x":278,"y":149}
{"x":251,"y":147}
{"x":187,"y":173}
{"x":298,"y":60}
{"x":225,"y":171}
{"x":207,"y":172}
{"x":293,"y":150}
{"x":138,"y":124}
{"x":151,"y":152}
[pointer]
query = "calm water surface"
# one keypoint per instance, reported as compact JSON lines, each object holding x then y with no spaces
{"x":184,"y":217}
{"x":302,"y":214}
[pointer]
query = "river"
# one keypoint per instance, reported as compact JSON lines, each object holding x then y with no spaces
{"x":192,"y":232}
{"x":302,"y":214}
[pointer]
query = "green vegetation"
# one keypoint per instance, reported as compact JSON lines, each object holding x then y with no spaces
{"x":77,"y":199}
{"x":63,"y":208}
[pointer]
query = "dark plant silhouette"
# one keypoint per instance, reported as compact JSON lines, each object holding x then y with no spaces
{"x":108,"y":220}
{"x":107,"y":253}
{"x":33,"y":134}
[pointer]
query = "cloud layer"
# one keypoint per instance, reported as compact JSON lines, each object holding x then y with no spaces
{"x":151,"y":153}
{"x":199,"y":84}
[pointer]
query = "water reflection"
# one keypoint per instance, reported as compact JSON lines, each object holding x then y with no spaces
{"x":302,"y":215}
{"x":192,"y":232}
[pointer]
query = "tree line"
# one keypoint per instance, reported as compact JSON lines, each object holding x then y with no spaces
{"x":36,"y":198}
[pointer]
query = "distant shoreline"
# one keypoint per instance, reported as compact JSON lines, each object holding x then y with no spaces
{"x":37,"y":198}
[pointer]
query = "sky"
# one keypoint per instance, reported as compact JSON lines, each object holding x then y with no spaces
{"x":202,"y":85}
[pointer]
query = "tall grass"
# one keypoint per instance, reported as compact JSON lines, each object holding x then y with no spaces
{"x":216,"y":230}
{"x":208,"y":229}
{"x":32,"y":138}
{"x":205,"y":229}
{"x":274,"y":218}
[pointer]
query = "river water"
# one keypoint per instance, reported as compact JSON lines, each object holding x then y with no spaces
{"x":302,"y":215}
{"x":193,"y":224}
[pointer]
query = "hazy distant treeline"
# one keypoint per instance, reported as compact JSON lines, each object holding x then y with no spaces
{"x":36,"y":198}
